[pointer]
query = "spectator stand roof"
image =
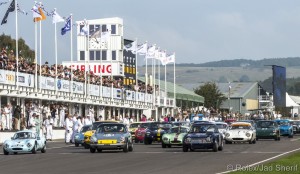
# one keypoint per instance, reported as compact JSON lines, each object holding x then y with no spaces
{"x":181,"y":93}
{"x":237,"y":90}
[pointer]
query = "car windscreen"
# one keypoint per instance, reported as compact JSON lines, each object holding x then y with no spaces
{"x":296,"y":122}
{"x":85,"y":128}
{"x":221,"y":126}
{"x":108,"y":128}
{"x":201,"y":128}
{"x":178,"y":130}
{"x":232,"y":127}
{"x":165,"y":126}
{"x":144,"y":125}
{"x":24,"y":135}
{"x":265,"y":124}
{"x":134,"y":125}
{"x":283,"y":122}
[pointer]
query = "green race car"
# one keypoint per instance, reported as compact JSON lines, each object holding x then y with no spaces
{"x":267,"y":129}
{"x":174,"y":136}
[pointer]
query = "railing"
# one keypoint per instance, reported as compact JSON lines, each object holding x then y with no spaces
{"x":64,"y":88}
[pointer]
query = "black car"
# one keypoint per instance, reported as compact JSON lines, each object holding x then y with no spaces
{"x":296,"y":126}
{"x":203,"y":136}
{"x":155,"y":130}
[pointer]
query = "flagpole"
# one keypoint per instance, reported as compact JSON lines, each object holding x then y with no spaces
{"x":55,"y":43}
{"x":35,"y":47}
{"x":17,"y":47}
{"x":111,"y":66}
{"x":174,"y":103}
{"x":166,"y":93}
{"x":88,"y":74}
{"x":136,"y":67}
{"x":40,"y":74}
{"x":101,"y":66}
{"x":71,"y":36}
{"x":86,"y":50}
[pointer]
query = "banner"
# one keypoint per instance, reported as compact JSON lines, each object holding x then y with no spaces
{"x":7,"y":77}
{"x":130,"y":95}
{"x":78,"y":88}
{"x":46,"y":83}
{"x":118,"y":94}
{"x":94,"y":90}
{"x":63,"y":85}
{"x":106,"y":91}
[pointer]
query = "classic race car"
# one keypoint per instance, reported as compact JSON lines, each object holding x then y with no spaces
{"x":240,"y":132}
{"x":222,"y":126}
{"x":140,"y":132}
{"x":133,"y":127}
{"x":24,"y":142}
{"x":111,"y":136}
{"x":296,"y":126}
{"x":174,"y":136}
{"x":267,"y":129}
{"x":79,"y":137}
{"x":155,"y":131}
{"x":286,"y":127}
{"x":203,"y":136}
{"x":88,"y":134}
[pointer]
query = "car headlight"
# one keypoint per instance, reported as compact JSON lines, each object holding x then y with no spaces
{"x":248,"y":134}
{"x":93,"y":139}
{"x":148,"y":133}
{"x":6,"y":146}
{"x":188,"y":140}
{"x":122,"y":139}
{"x":77,"y":137}
{"x":208,"y":139}
{"x":165,"y":139}
{"x":29,"y":145}
{"x":227,"y":135}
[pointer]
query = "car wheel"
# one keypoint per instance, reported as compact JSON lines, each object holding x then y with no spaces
{"x":254,"y":141}
{"x":15,"y":153}
{"x":44,"y":149}
{"x":136,"y":140}
{"x":215,"y":147}
{"x":146,"y":141}
{"x":5,"y":152}
{"x":99,"y":150}
{"x":169,"y":146}
{"x":163,"y":145}
{"x":86,"y":146}
{"x":150,"y":142}
{"x":125,"y":149}
{"x":278,"y":138}
{"x":92,"y":150}
{"x":34,"y":149}
{"x":185,"y":148}
{"x":291,"y":136}
{"x":228,"y":142}
{"x":221,"y":146}
{"x":250,"y":141}
{"x":76,"y":144}
{"x":130,"y":149}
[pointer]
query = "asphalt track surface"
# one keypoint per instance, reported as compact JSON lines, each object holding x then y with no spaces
{"x":145,"y":159}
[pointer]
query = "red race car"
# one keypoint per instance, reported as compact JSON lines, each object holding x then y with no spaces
{"x":140,"y":132}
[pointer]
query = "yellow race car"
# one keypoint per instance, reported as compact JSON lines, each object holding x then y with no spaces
{"x":88,"y":134}
{"x":133,"y":127}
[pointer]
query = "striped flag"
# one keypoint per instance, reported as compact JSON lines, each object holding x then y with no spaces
{"x":11,"y":8}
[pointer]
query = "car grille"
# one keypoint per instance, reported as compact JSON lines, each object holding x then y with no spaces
{"x":237,"y":138}
{"x":16,"y":148}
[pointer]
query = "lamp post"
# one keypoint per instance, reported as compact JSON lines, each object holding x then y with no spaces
{"x":229,"y":88}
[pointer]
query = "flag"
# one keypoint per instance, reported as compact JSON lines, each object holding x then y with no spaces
{"x":105,"y":36}
{"x":35,"y":12}
{"x":168,"y":59}
{"x":131,"y":47}
{"x":96,"y":33}
{"x":39,"y":13}
{"x":56,"y":18}
{"x":20,"y":10}
{"x":67,"y":26}
{"x":11,"y":8}
{"x":142,"y":49}
{"x":150,"y":52}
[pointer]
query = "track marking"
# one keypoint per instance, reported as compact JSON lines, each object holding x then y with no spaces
{"x":297,"y":139}
{"x":268,"y":159}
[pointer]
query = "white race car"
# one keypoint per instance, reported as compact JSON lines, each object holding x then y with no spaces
{"x":240,"y":132}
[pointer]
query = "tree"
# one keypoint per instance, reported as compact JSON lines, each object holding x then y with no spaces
{"x":223,"y":79}
{"x":211,"y":93}
{"x":244,"y":78}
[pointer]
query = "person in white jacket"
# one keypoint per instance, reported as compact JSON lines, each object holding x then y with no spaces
{"x":68,"y":128}
{"x":49,"y":128}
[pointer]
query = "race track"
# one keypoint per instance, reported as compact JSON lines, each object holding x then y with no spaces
{"x":145,"y":159}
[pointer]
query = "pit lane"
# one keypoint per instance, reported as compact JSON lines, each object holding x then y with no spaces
{"x":145,"y":159}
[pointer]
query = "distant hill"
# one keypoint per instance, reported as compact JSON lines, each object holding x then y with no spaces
{"x":286,"y":62}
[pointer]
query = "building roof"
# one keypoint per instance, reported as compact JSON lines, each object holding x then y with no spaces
{"x":237,"y":90}
{"x":181,"y":93}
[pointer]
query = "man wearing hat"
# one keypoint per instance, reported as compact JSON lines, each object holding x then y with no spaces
{"x":69,"y":128}
{"x":87,"y":120}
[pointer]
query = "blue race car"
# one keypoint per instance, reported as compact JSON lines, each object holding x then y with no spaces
{"x":286,"y":127}
{"x":155,"y":131}
{"x":203,"y":136}
{"x":26,"y":141}
{"x":79,"y":137}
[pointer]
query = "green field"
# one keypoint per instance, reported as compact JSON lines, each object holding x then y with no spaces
{"x":289,"y":164}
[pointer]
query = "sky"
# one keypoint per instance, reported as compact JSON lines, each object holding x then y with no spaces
{"x":198,"y":31}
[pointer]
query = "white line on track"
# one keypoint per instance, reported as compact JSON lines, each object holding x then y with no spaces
{"x":268,"y":159}
{"x":295,"y":139}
